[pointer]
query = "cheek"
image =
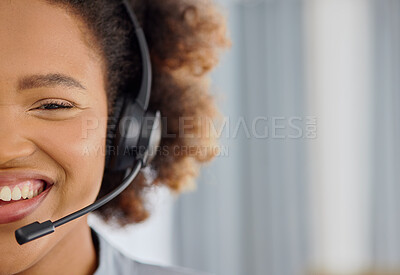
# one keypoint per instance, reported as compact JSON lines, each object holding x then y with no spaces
{"x":78,"y":148}
{"x":75,"y":150}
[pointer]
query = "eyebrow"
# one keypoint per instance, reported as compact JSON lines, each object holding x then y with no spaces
{"x":48,"y":81}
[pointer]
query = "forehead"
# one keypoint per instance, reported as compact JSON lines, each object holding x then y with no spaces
{"x":39,"y":38}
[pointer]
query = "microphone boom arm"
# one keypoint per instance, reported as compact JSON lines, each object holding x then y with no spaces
{"x":37,"y":230}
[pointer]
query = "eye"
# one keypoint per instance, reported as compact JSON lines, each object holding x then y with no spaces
{"x":55,"y":105}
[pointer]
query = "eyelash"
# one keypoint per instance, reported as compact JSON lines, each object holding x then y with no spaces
{"x":58,"y":104}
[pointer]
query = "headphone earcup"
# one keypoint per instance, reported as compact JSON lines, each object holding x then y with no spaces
{"x":124,"y":135}
{"x":132,"y":135}
{"x":150,"y":137}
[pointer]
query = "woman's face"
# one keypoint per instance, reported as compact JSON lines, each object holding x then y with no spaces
{"x":45,"y":62}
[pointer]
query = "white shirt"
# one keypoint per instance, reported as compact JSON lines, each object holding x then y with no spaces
{"x":114,"y":262}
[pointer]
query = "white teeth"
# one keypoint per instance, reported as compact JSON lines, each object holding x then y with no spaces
{"x":16,"y":193}
{"x":25,"y":191}
{"x":5,"y":193}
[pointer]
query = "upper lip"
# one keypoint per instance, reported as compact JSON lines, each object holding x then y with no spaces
{"x":7,"y":177}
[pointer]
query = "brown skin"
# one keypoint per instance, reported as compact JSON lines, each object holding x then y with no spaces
{"x":38,"y":39}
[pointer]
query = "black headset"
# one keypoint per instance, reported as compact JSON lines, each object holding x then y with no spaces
{"x":132,"y":127}
{"x":133,"y":136}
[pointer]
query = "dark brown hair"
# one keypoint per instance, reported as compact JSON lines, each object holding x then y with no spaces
{"x":184,"y":38}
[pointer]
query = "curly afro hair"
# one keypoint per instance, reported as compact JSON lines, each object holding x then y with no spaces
{"x":185,"y":38}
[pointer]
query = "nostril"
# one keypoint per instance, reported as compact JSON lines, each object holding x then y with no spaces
{"x":13,"y":149}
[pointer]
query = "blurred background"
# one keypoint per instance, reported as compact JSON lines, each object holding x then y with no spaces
{"x":307,"y":181}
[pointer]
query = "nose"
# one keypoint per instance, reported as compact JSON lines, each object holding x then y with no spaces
{"x":13,"y":143}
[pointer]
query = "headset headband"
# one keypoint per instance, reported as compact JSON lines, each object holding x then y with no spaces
{"x":143,"y":97}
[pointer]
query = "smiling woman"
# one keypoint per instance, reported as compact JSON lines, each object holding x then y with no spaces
{"x":64,"y":63}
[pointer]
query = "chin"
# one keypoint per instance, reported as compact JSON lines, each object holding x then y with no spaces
{"x":16,"y":258}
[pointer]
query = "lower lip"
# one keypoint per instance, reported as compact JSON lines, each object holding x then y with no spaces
{"x":18,"y":210}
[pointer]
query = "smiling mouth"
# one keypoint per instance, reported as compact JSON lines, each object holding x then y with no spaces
{"x":23,"y":190}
